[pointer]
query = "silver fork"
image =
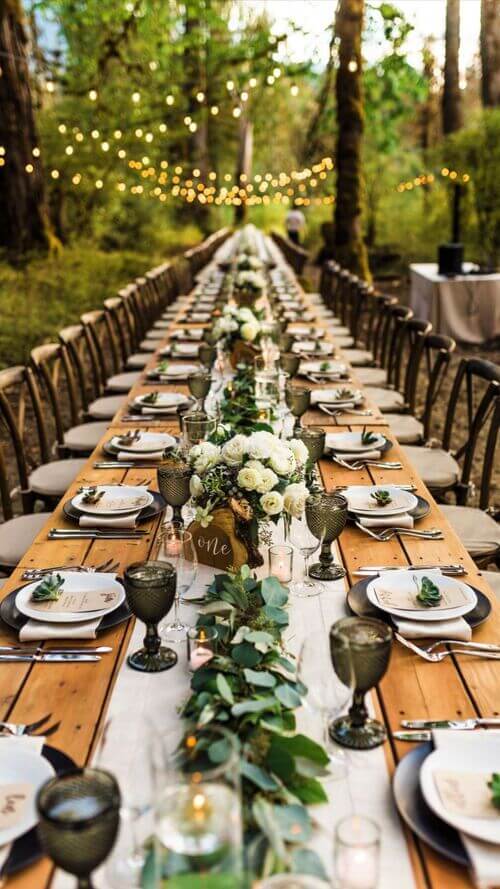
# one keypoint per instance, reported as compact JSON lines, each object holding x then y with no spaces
{"x":336,"y":412}
{"x":356,"y":465}
{"x":479,"y":646}
{"x":19,"y":729}
{"x":437,"y":657}
{"x":107,"y":567}
{"x":389,"y":533}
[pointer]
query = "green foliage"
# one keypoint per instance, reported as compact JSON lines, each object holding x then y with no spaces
{"x":237,"y":406}
{"x":494,"y":785}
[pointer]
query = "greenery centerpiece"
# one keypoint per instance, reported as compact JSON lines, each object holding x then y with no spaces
{"x":238,"y":408}
{"x":240,"y":486}
{"x":247,"y":262}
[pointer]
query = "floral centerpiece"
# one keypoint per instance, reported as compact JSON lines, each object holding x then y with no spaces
{"x":239,"y":330}
{"x":258,"y":477}
{"x":246,"y":262}
{"x":249,"y":285}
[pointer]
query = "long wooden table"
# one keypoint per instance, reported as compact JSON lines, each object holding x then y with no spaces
{"x":78,"y":695}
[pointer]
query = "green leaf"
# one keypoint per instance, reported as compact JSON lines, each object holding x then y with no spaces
{"x":273,"y":592}
{"x":224,"y":688}
{"x":253,"y":706}
{"x":260,"y":678}
{"x":256,"y":636}
{"x":301,"y":745}
{"x":263,"y":812}
{"x":305,"y":861}
{"x":294,"y":823}
{"x":258,"y":776}
{"x":308,"y":790}
{"x":220,"y":751}
{"x":280,"y":762}
{"x":276,"y":614}
{"x":288,"y":696}
{"x":280,"y":722}
{"x":246,"y":655}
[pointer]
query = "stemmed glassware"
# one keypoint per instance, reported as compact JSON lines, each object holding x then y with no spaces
{"x":369,"y":643}
{"x":314,"y":438}
{"x":290,"y":363}
{"x":150,"y":590}
{"x":328,"y":693}
{"x":304,"y":540}
{"x":207,"y":355}
{"x":326,"y":515}
{"x":199,"y":384}
{"x":298,"y":400}
{"x":173,"y":483}
{"x":196,"y":427}
{"x":79,"y":814}
{"x":175,"y":547}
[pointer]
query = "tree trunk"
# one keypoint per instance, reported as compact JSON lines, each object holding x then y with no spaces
{"x":490,"y":52}
{"x":350,"y":249}
{"x":24,"y":222}
{"x":195,"y":68}
{"x":452,"y":103}
{"x":244,"y":164}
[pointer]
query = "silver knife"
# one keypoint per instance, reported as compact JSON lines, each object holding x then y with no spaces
{"x":48,"y":658}
{"x":372,"y":570}
{"x":15,"y":649}
{"x":412,"y":736}
{"x":463,"y":724}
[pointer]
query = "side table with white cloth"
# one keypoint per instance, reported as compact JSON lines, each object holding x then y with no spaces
{"x":465,"y":307}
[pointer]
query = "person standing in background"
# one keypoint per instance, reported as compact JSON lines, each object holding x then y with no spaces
{"x":295,"y":223}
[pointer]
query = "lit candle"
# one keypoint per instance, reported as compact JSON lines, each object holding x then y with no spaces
{"x":200,"y":646}
{"x":281,"y":562}
{"x":357,"y":851}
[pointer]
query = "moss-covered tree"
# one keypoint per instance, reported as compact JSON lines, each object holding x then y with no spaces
{"x":452,"y":103}
{"x":490,"y":52}
{"x":350,"y":249}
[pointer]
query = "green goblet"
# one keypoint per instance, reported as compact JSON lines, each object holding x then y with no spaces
{"x":211,"y":337}
{"x":298,"y":400}
{"x":173,"y":483}
{"x":370,"y":650}
{"x":290,"y":363}
{"x":79,"y":815}
{"x":326,"y":515}
{"x":197,"y":426}
{"x":314,"y":438}
{"x":150,"y":590}
{"x":285,"y":342}
{"x":207,"y":355}
{"x":199,"y":386}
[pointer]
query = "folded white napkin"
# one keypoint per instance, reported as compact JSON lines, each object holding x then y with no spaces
{"x":132,"y":457}
{"x":347,"y":405}
{"x":484,"y":857}
{"x":403,"y":520}
{"x":123,"y":521}
{"x":351,"y":457}
{"x":147,"y":409}
{"x":457,"y":628}
{"x":39,"y":631}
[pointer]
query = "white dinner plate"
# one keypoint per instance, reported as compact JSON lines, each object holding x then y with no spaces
{"x":124,"y":492}
{"x":194,"y":334}
{"x":313,"y":346}
{"x":426,"y":614}
{"x":73,"y":581}
{"x":147,"y":443}
{"x":480,"y":756}
{"x":19,"y":765}
{"x":165,"y":401}
{"x":180,"y":371}
{"x":332,"y":396}
{"x":359,"y":500}
{"x":316,"y":367}
{"x":351,"y":441}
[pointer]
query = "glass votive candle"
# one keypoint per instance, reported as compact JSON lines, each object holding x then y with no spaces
{"x":357,"y":853}
{"x":281,"y":561}
{"x":201,"y":643}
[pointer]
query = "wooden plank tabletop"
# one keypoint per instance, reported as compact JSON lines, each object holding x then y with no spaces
{"x":78,"y":694}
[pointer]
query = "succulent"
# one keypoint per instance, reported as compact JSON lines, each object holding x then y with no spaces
{"x":91,"y":495}
{"x":494,"y":785}
{"x":162,"y":367}
{"x":429,"y":594}
{"x":381,"y":497}
{"x":345,"y":393}
{"x":367,"y":437}
{"x":49,"y":590}
{"x":152,"y":398}
{"x":325,"y":365}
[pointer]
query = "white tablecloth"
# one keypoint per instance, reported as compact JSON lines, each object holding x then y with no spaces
{"x":466,"y":307}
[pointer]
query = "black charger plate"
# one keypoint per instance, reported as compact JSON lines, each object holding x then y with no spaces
{"x":11,"y":615}
{"x":26,"y":850}
{"x":146,"y":514}
{"x":416,"y":813}
{"x":358,"y":602}
{"x":418,"y":512}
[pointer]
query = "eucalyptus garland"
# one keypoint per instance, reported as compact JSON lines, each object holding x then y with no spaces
{"x":251,"y":689}
{"x":237,"y":407}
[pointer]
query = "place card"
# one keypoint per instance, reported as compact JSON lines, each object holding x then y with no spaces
{"x":405,"y":598}
{"x":466,"y":794}
{"x":72,"y":601}
{"x":13,"y":801}
{"x":117,"y":504}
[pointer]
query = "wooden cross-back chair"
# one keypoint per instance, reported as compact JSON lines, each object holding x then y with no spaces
{"x":84,"y":363}
{"x":103,"y":342}
{"x":384,"y":320}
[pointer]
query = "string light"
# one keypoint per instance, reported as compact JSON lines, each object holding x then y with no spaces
{"x":169,"y":100}
{"x":429,"y":178}
{"x":92,"y":95}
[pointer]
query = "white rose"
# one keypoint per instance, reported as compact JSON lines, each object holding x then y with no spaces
{"x":267,"y":478}
{"x":234,"y":450}
{"x":249,"y":331}
{"x":261,"y":445}
{"x":272,"y":503}
{"x":248,"y":479}
{"x":282,"y":461}
{"x":299,"y":451}
{"x":204,"y":456}
{"x":195,"y":486}
{"x":245,"y":314}
{"x":294,"y":498}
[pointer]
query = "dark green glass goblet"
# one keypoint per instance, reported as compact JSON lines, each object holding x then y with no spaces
{"x":326,"y":515}
{"x":150,"y":590}
{"x":314,"y":438}
{"x":285,"y":342}
{"x":370,"y":643}
{"x":173,"y":482}
{"x":199,"y":386}
{"x":79,"y":815}
{"x":298,"y":400}
{"x":207,"y":355}
{"x":290,"y":363}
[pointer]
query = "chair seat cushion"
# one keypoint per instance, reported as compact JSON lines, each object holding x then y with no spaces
{"x":478,"y":531}
{"x":84,"y":438}
{"x":160,"y":325}
{"x":343,"y":342}
{"x":106,"y":408}
{"x":437,"y":468}
{"x":149,"y":345}
{"x":17,"y":535}
{"x":123,"y":382}
{"x":138,"y":360}
{"x":338,"y":328}
{"x":155,"y":336}
{"x":53,"y":479}
{"x":358,"y":357}
{"x":387,"y":399}
{"x":406,"y":428}
{"x":493,"y":578}
{"x":372,"y":376}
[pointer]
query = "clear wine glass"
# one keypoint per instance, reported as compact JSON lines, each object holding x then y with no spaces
{"x":328,"y":695}
{"x":302,"y":539}
{"x":175,"y":545}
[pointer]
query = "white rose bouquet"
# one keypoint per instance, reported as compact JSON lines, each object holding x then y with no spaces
{"x":248,"y":263}
{"x":259,"y":476}
{"x":237,"y":324}
{"x":250,"y":280}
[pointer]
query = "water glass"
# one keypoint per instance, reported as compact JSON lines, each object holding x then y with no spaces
{"x":150,"y":592}
{"x":175,"y":547}
{"x":174,"y":485}
{"x":304,"y":540}
{"x":298,"y":400}
{"x":326,"y":515}
{"x":196,"y":427}
{"x":199,"y":385}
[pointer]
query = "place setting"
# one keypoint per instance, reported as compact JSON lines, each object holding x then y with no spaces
{"x":180,"y":349}
{"x":355,"y":450}
{"x":340,"y":400}
{"x":168,"y":371}
{"x":384,"y":510}
{"x":154,"y":405}
{"x":113,"y":509}
{"x":323,"y":371}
